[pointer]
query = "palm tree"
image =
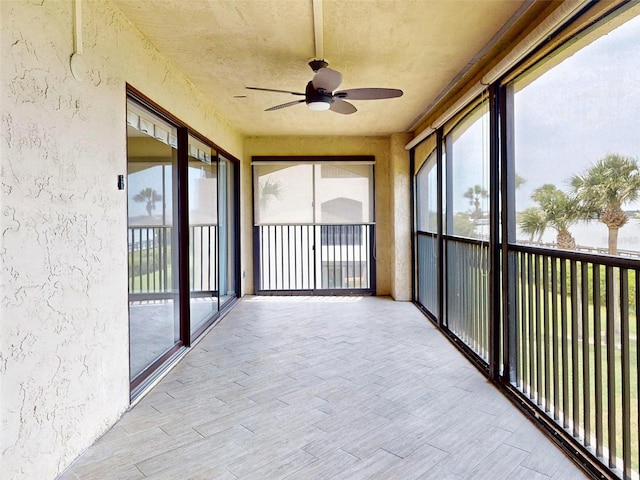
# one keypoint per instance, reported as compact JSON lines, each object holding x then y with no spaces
{"x":474,"y":194}
{"x":602,"y":190}
{"x":560,"y":212}
{"x":533,"y":222}
{"x":150,"y":196}
{"x":269,"y":189}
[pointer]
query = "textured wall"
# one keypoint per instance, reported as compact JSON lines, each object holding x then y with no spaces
{"x":64,"y":325}
{"x":376,"y":146}
{"x":400,"y":177}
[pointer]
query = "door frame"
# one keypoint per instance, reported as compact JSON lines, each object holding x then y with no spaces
{"x":314,"y":288}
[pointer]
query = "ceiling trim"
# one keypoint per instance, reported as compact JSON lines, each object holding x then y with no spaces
{"x":473,"y":62}
{"x":557,"y":19}
{"x":549,"y":26}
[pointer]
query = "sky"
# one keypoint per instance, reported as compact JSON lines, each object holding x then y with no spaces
{"x":565,"y":120}
{"x":579,"y":111}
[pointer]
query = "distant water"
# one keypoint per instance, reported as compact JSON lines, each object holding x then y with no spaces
{"x":595,"y":234}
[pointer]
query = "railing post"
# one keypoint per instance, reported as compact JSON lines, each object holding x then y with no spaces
{"x":256,"y":258}
{"x":440,"y":226}
{"x":372,"y":257}
{"x":494,"y":231}
{"x":183,"y":232}
{"x":414,"y":224}
{"x":507,"y":216}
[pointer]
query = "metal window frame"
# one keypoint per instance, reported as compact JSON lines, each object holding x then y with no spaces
{"x":151,"y":372}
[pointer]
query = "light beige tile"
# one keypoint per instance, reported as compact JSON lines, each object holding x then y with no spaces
{"x":313,"y":388}
{"x":326,"y":467}
{"x":378,"y":462}
{"x":281,"y":467}
{"x":439,"y":473}
{"x":414,"y":465}
{"x":524,"y":473}
{"x":499,"y":464}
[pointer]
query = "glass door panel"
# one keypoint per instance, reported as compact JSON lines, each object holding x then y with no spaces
{"x":343,"y":201}
{"x":427,"y":239}
{"x":204,"y":234}
{"x":154,"y":320}
{"x":227,"y":231}
{"x":284,"y":193}
{"x":314,"y":226}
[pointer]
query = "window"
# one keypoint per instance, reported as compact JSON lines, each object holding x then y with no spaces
{"x":467,"y":155}
{"x":427,"y":278}
{"x":181,"y":274}
{"x":427,"y":195}
{"x":154,"y":289}
{"x":314,"y":224}
{"x":303,"y":192}
{"x":577,"y":147}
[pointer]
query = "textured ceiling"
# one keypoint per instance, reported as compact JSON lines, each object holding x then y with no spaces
{"x":419,"y":46}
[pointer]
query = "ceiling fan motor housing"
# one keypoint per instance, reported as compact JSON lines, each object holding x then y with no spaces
{"x":317,"y":64}
{"x":317,"y":96}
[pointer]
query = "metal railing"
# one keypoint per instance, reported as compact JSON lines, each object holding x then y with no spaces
{"x":582,"y":248}
{"x":571,"y":336}
{"x":308,"y":257}
{"x":574,"y":348}
{"x":427,"y":261}
{"x":203,"y":258}
{"x":151,"y":259}
{"x":467,"y":297}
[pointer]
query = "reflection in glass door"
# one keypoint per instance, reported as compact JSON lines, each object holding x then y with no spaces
{"x":204,"y":234}
{"x":182,"y":202}
{"x":212,"y":255}
{"x":154,"y":319}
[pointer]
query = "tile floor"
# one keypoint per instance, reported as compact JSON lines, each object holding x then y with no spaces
{"x":319,"y":388}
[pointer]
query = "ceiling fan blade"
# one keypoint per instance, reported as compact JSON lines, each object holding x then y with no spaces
{"x":284,"y":105}
{"x":274,"y":90}
{"x":340,"y":106}
{"x":327,"y":79}
{"x":368,"y":93}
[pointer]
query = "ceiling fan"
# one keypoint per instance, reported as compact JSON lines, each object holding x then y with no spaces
{"x":320,"y":93}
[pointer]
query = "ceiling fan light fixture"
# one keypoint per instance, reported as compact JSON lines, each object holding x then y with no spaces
{"x":317,"y":100}
{"x":318,"y":106}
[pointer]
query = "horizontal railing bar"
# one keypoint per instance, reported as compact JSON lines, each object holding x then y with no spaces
{"x":468,"y":241}
{"x":599,"y":259}
{"x":582,"y":456}
{"x":306,"y":224}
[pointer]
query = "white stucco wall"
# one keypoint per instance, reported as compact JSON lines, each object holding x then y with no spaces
{"x":63,"y":317}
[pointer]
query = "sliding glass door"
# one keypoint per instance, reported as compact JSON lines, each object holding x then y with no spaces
{"x":314,"y":226}
{"x":182,"y":207}
{"x":154,"y":314}
{"x":228,"y":232}
{"x":203,"y":233}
